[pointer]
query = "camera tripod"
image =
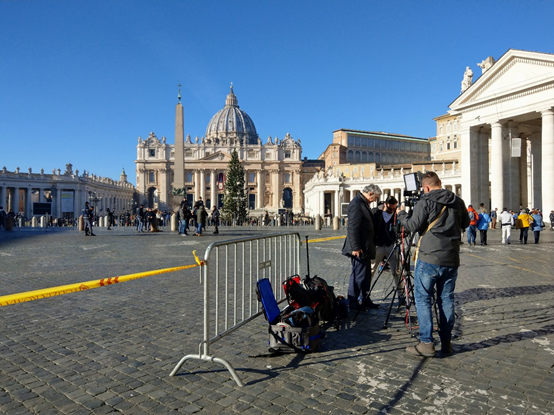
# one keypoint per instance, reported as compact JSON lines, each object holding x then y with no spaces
{"x":403,"y":286}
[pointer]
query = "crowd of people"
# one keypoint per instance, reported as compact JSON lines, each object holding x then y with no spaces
{"x":524,"y":219}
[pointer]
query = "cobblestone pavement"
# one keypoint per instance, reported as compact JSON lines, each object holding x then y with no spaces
{"x":111,"y":349}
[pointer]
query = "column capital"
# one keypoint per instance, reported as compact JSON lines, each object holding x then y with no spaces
{"x":548,"y":111}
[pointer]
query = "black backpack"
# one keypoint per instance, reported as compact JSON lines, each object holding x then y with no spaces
{"x":322,"y":294}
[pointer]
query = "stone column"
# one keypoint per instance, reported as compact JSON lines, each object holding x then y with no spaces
{"x":28,"y":202}
{"x":196,"y":185}
{"x":321,"y":208}
{"x":260,"y":193}
{"x":497,"y":167}
{"x":277,"y":193}
{"x":203,"y":185}
{"x":213,"y":189}
{"x":547,"y":161}
{"x":3,"y":198}
{"x":336,"y":210}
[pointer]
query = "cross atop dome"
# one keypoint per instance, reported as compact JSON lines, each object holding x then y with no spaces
{"x":231,"y":100}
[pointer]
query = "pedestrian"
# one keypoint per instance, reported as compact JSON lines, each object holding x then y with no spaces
{"x":537,"y":224}
{"x":524,"y":220}
{"x":551,"y":218}
{"x":183,"y":215}
{"x":201,"y":217}
{"x":88,"y":216}
{"x":483,"y":225}
{"x":385,"y":238}
{"x":438,"y":260}
{"x":359,"y":246}
{"x":109,"y":218}
{"x":472,"y":228}
{"x":494,"y":217}
{"x":140,"y":219}
{"x":506,"y":223}
{"x":3,"y":217}
{"x":215,"y":219}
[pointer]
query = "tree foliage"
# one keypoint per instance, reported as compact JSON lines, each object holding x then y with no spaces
{"x":234,"y":199}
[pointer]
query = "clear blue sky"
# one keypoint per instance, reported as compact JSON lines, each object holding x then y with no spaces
{"x":81,"y":80}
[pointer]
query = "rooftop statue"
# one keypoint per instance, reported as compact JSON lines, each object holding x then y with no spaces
{"x":468,"y":79}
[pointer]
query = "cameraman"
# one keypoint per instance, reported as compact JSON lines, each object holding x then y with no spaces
{"x":385,"y":236}
{"x":439,"y":217}
{"x":359,"y":246}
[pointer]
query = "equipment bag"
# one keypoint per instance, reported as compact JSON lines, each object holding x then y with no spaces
{"x":290,"y":330}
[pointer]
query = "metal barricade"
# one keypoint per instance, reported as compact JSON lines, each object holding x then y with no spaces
{"x":231,"y":269}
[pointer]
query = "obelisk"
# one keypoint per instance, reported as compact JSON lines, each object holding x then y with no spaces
{"x":179,"y":166}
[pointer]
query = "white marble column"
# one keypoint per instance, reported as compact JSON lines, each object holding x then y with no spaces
{"x":497,"y":167}
{"x":336,"y":210}
{"x":203,"y":185}
{"x":213,"y":189}
{"x":196,"y":185}
{"x":277,"y":193}
{"x":28,"y":202}
{"x":260,"y":193}
{"x":547,"y":161}
{"x":321,"y":207}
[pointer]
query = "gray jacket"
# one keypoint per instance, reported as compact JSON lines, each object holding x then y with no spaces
{"x":441,"y":245}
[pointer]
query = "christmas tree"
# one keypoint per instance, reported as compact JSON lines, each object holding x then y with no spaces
{"x":234,"y":200}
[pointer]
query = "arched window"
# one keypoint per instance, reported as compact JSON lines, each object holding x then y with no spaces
{"x":287,"y":178}
{"x":384,"y":159}
{"x":357,"y":156}
{"x":350,"y":155}
{"x":371,"y":157}
{"x":287,"y":197}
{"x":364,"y":156}
{"x":377,"y":158}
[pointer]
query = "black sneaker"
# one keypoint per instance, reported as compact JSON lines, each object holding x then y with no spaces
{"x":369,"y":304}
{"x":357,"y":307}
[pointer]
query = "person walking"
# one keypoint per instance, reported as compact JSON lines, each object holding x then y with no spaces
{"x":483,"y":225}
{"x":215,"y":219}
{"x":438,"y":260}
{"x":472,"y":228}
{"x":537,"y":224}
{"x":524,"y":220}
{"x":140,"y":219}
{"x":109,"y":218}
{"x":359,"y":246}
{"x":494,"y":217}
{"x":506,"y":223}
{"x":201,"y":217}
{"x":551,"y":217}
{"x":88,"y":216}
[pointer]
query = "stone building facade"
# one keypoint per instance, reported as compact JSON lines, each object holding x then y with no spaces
{"x":273,"y":169}
{"x":63,"y":193}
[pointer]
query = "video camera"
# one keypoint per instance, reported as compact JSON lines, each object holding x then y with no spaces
{"x":413,"y":190}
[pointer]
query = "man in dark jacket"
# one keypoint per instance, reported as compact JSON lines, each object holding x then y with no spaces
{"x":359,"y":246}
{"x":439,"y":218}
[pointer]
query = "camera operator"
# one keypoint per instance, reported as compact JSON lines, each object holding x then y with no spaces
{"x":385,"y":236}
{"x":359,"y":246}
{"x":439,"y":217}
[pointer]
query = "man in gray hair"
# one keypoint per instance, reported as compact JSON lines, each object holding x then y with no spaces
{"x":359,"y":246}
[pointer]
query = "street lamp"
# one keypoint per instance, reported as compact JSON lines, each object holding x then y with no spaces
{"x":94,"y":198}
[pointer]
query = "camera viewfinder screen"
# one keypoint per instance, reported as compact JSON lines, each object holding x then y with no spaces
{"x":411,"y":182}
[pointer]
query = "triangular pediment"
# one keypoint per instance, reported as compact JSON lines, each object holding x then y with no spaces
{"x":217,"y":156}
{"x":515,"y":72}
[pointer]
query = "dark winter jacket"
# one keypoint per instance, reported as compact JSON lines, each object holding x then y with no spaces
{"x":441,"y":245}
{"x":361,"y":230}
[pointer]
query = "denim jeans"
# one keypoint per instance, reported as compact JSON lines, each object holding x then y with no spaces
{"x":182,"y":226}
{"x":471,"y":234}
{"x":199,"y":228}
{"x":443,"y":280}
{"x":140,"y":225}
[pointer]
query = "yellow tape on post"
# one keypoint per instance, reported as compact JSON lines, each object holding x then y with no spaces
{"x":70,"y":288}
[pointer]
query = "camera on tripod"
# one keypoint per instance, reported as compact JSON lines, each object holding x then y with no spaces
{"x":413,"y":190}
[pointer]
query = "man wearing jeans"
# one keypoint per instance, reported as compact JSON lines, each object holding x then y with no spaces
{"x":439,"y":217}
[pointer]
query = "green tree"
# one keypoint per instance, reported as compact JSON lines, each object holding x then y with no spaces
{"x":234,"y":199}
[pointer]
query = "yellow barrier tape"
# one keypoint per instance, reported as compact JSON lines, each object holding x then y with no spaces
{"x":70,"y":288}
{"x":326,"y":239}
{"x":200,"y":263}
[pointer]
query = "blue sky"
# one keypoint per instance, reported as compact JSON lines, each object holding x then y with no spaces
{"x":81,"y":80}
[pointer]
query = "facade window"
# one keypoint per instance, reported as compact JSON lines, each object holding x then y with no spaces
{"x":364,"y":156}
{"x":371,"y":157}
{"x":441,"y":147}
{"x":357,"y":156}
{"x":188,"y":153}
{"x":350,"y":156}
{"x":207,"y":179}
{"x":370,"y":142}
{"x":252,"y":178}
{"x":287,"y":178}
{"x":287,"y":154}
{"x":151,"y":177}
{"x":251,"y":154}
{"x":448,"y":145}
{"x":172,"y":155}
{"x":189,"y":177}
{"x":152,"y":153}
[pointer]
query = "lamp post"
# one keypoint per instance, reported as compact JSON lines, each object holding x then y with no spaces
{"x":93,"y":198}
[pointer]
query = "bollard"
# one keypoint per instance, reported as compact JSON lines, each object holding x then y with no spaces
{"x":336,"y":223}
{"x":43,"y":222}
{"x":317,"y":222}
{"x":174,"y":226}
{"x":8,"y":223}
{"x":81,"y":223}
{"x":34,"y":222}
{"x":100,"y":221}
{"x":21,"y":223}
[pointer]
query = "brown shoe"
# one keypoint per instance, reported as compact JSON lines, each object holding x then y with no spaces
{"x":422,"y":350}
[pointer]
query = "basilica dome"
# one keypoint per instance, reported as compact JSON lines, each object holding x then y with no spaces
{"x":232,"y":123}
